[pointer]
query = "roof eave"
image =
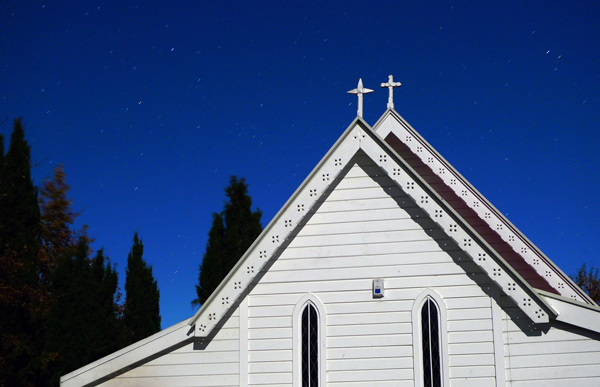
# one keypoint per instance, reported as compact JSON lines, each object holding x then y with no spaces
{"x":120,"y":361}
{"x":573,"y":312}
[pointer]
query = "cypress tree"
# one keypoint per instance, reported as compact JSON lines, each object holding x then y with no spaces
{"x":104,"y":323}
{"x":20,"y":213}
{"x":211,"y":269}
{"x":23,"y":300}
{"x":242,"y":225}
{"x":141,"y":314}
{"x":231,"y":234}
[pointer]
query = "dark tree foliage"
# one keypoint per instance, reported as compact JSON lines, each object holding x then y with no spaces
{"x":23,"y":300}
{"x":57,"y":217}
{"x":212,"y":269}
{"x":57,"y":306}
{"x":141,"y":314}
{"x":58,"y":240}
{"x":1,"y":161}
{"x":242,"y":225}
{"x":231,"y":234}
{"x":83,"y":324}
{"x":19,"y":210}
{"x":589,"y":281}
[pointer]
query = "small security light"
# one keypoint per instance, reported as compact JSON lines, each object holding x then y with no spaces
{"x":378,"y":288}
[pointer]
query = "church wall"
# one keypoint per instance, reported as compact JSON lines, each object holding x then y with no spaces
{"x":559,"y":355}
{"x":360,"y":233}
{"x":215,"y":365}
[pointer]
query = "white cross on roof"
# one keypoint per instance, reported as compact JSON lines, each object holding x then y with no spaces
{"x":360,"y":90}
{"x":390,"y":85}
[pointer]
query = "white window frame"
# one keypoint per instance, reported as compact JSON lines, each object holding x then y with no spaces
{"x":297,"y":338}
{"x":418,"y":334}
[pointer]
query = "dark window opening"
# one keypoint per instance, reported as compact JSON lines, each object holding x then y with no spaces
{"x":431,"y":345}
{"x":310,"y":347}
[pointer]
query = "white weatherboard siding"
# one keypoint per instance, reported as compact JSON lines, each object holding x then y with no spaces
{"x":560,"y":356}
{"x":217,"y":364}
{"x":360,"y":233}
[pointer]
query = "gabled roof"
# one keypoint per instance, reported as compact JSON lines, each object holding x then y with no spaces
{"x":359,"y":136}
{"x":519,"y":252}
{"x":443,"y":194}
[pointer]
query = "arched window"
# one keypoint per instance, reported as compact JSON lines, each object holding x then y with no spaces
{"x":310,"y":346}
{"x":430,"y":344}
{"x":430,"y":340}
{"x":309,"y":342}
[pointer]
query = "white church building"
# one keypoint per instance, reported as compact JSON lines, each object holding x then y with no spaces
{"x":384,"y":268}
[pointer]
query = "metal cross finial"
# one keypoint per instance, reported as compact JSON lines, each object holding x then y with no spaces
{"x":390,"y":85}
{"x":360,"y":90}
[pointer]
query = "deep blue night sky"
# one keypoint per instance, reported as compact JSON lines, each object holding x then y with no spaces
{"x":152,"y":105}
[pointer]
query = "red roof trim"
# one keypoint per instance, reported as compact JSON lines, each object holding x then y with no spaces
{"x":516,"y":261}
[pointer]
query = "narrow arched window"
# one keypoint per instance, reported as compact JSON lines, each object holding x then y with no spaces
{"x":430,"y":344}
{"x":308,"y":342}
{"x":310,"y":346}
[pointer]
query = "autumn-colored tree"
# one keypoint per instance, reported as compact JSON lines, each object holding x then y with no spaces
{"x":141,"y":313}
{"x":589,"y":281}
{"x":56,"y":220}
{"x":231,"y":234}
{"x":58,"y":240}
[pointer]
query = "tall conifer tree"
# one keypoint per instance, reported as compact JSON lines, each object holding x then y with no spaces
{"x":20,"y":213}
{"x":242,"y":225}
{"x":212,"y":270}
{"x":141,"y":314}
{"x":231,"y":234}
{"x":22,"y":299}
